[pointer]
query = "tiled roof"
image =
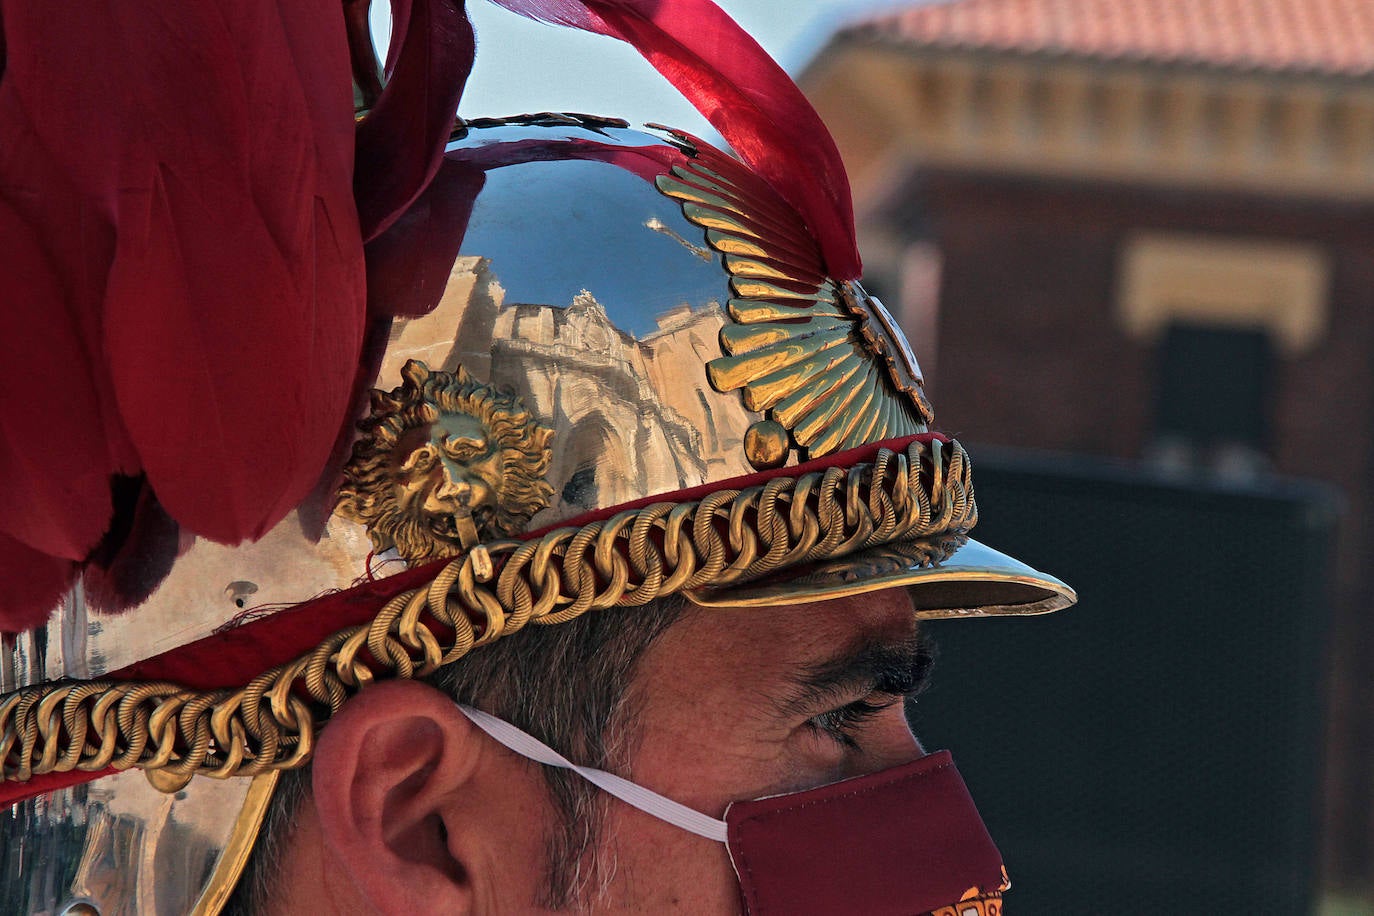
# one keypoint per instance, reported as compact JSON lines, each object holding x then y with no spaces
{"x":1320,"y":36}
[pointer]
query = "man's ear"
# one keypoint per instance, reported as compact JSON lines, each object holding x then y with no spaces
{"x":390,"y":772}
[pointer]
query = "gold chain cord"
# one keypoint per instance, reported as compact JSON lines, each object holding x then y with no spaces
{"x":627,"y":560}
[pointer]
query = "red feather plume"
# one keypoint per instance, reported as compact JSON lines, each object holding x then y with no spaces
{"x":183,"y":261}
{"x":743,"y":93}
{"x":185,"y":294}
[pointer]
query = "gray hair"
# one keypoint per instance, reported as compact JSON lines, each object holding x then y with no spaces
{"x":568,"y":685}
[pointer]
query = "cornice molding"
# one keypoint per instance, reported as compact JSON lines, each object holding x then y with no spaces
{"x":1271,"y":133}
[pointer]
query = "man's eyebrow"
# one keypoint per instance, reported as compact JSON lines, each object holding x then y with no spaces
{"x":900,"y":667}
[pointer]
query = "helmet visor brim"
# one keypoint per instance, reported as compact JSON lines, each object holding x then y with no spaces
{"x":972,"y":581}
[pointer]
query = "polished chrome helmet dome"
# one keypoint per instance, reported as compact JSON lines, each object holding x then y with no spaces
{"x":667,"y":317}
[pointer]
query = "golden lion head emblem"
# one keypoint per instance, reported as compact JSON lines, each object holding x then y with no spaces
{"x":444,"y":463}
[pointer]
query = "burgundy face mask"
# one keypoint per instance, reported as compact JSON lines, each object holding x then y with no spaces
{"x":900,"y":842}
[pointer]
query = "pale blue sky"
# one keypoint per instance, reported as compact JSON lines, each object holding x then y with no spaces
{"x":525,"y":66}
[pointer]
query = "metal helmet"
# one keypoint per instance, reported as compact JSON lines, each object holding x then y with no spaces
{"x":606,"y":365}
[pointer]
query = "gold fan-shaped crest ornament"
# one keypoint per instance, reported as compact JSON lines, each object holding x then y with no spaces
{"x":820,"y":358}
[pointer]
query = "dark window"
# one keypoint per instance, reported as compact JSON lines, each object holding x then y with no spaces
{"x":580,"y":490}
{"x":1214,"y":387}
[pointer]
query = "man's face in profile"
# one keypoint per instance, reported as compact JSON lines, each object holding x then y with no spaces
{"x":417,"y":810}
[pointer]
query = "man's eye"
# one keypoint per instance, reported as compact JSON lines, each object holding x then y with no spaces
{"x":844,"y":723}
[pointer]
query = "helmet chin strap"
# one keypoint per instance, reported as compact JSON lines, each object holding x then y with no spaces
{"x":636,"y":796}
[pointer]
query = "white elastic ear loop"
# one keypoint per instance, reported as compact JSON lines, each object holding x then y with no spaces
{"x":650,"y":802}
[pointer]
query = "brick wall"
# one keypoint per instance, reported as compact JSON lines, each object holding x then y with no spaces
{"x":1031,"y":355}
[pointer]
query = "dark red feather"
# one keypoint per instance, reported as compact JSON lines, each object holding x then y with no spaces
{"x":33,"y":585}
{"x":236,"y":293}
{"x":402,"y":140}
{"x":184,"y":288}
{"x":408,"y":265}
{"x":55,"y":465}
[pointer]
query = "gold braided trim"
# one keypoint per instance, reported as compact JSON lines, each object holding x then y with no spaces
{"x":628,"y":560}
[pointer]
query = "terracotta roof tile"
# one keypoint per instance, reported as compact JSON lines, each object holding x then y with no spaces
{"x":1323,"y":36}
